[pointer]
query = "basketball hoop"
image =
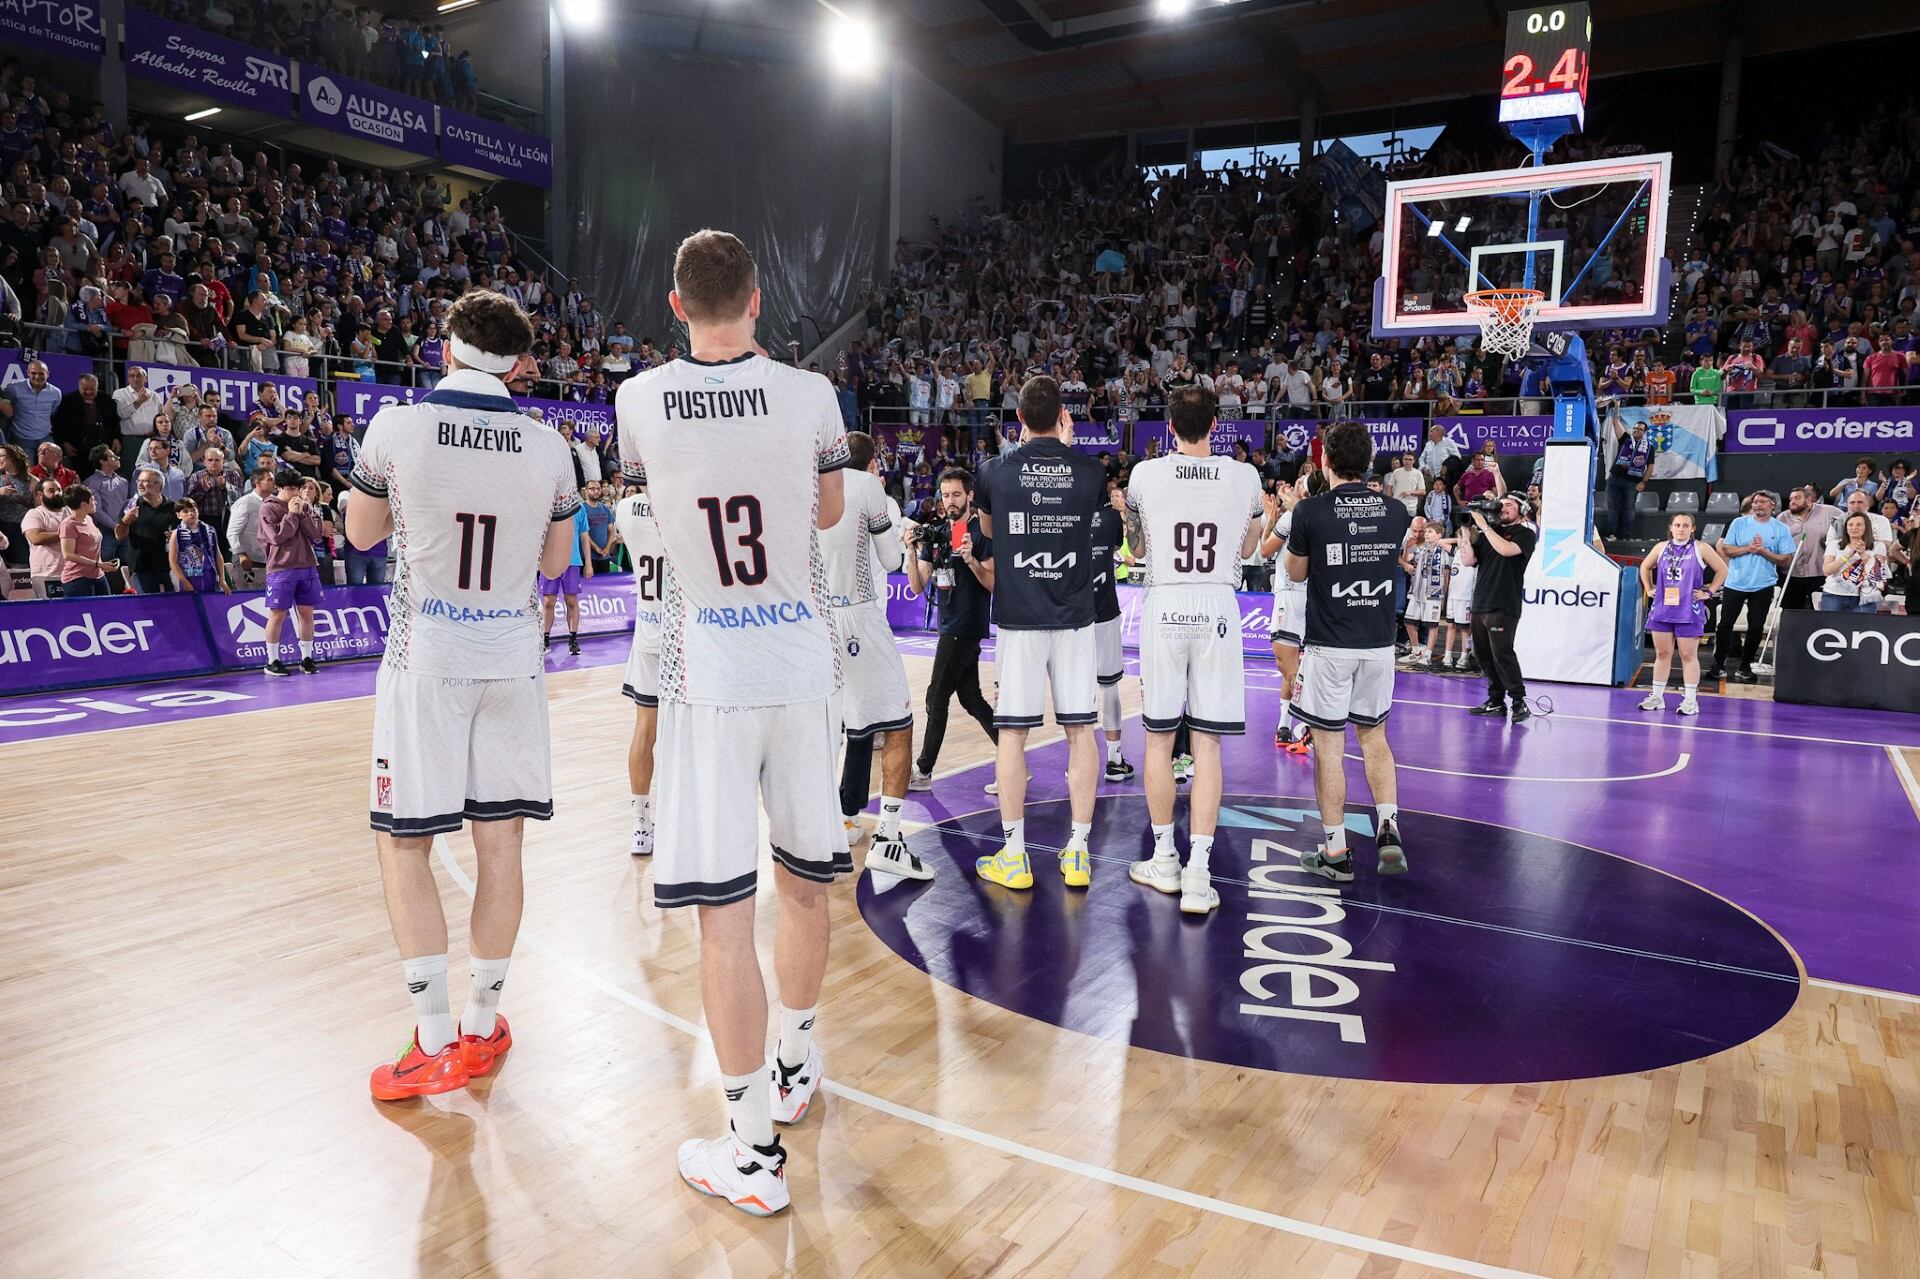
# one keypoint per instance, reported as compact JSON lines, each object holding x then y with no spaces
{"x":1506,"y":319}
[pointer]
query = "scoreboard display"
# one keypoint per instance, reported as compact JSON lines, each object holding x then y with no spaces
{"x":1545,"y":74}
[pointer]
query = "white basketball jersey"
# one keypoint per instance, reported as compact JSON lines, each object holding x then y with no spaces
{"x":848,"y":545}
{"x":731,"y":456}
{"x":881,"y":566}
{"x":475,"y":486}
{"x":1283,"y":583}
{"x":1194,"y":513}
{"x":634,"y":518}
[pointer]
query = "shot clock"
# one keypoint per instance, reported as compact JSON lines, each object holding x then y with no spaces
{"x":1545,"y":74}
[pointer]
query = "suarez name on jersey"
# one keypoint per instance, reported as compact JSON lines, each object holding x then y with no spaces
{"x":474,"y":485}
{"x":1041,"y":498}
{"x":731,"y":454}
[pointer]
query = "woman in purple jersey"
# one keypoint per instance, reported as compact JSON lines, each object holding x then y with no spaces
{"x":1672,"y":575}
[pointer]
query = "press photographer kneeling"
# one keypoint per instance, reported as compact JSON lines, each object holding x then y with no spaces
{"x":1500,"y":551}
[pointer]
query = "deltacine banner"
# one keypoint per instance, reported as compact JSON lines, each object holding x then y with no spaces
{"x":494,"y":148}
{"x":368,"y":111}
{"x":69,"y":27}
{"x":215,"y":66}
{"x":1868,"y":428}
{"x":1519,"y":436}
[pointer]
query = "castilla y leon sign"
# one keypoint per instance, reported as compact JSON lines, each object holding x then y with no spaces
{"x":1854,"y":429}
{"x":494,"y":148}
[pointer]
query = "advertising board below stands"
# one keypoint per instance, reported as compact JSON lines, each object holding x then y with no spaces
{"x":1869,"y":660}
{"x":1871,"y":428}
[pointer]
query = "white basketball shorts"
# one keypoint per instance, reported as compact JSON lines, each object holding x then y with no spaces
{"x":1026,"y":662}
{"x":713,"y":763}
{"x":1191,"y":665}
{"x":1110,"y":656}
{"x":1342,"y":684}
{"x":1426,"y":610}
{"x":447,"y":751}
{"x":876,"y":698}
{"x":642,"y":683}
{"x":1290,"y":617}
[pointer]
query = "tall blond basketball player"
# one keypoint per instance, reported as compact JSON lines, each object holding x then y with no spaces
{"x":477,"y":499}
{"x":742,"y":458}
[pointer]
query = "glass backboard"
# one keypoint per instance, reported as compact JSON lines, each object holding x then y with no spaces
{"x":1590,"y":236}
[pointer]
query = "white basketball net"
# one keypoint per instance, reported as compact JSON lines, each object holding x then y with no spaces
{"x":1506,"y":319}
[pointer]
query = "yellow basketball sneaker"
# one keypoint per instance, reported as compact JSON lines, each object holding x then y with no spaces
{"x":1076,"y":867}
{"x":1005,"y":868}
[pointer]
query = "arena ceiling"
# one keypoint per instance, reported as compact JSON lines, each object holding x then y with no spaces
{"x":1051,"y":69}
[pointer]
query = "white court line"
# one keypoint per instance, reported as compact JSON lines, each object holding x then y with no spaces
{"x":1871,"y":992}
{"x":1899,"y":757}
{"x":1668,"y":771}
{"x":1017,"y":1150}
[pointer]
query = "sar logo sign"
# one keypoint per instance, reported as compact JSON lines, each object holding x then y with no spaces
{"x":1503,"y":957}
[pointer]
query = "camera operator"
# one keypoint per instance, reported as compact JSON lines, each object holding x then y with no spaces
{"x":1500,"y":551}
{"x":950,"y":559}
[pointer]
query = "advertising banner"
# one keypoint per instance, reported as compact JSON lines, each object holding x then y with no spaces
{"x":1570,"y":626}
{"x":1870,"y":660}
{"x":1251,"y":432}
{"x":494,"y":148}
{"x":363,"y":400}
{"x":1518,"y":436}
{"x":226,"y":70}
{"x":902,"y":447}
{"x":1097,"y":437}
{"x":114,"y":639}
{"x":70,"y":27}
{"x":1872,"y":429}
{"x":363,"y":110}
{"x":350,"y":622}
{"x":233,"y":392}
{"x":63,"y":371}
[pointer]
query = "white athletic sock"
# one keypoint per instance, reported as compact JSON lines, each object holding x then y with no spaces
{"x":306,"y":649}
{"x":1384,"y":813}
{"x":642,"y":812}
{"x":1336,"y":839}
{"x":796,"y":1034}
{"x":1016,"y":836}
{"x":1082,"y":832}
{"x":750,"y":1107}
{"x":1286,"y":713}
{"x":1197,"y":860}
{"x":1110,"y":708}
{"x":1692,"y":689}
{"x":1163,"y":848}
{"x":1113,"y":751}
{"x":489,"y":975}
{"x":890,"y":816}
{"x":432,"y":1015}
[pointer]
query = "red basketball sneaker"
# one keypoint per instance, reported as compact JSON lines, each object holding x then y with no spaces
{"x":481,"y":1052}
{"x":415,"y":1074}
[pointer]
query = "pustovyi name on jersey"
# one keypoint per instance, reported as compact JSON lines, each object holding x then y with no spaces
{"x":694,"y":406}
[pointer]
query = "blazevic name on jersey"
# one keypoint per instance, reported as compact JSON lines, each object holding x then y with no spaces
{"x":698,"y":406}
{"x":467,"y":435}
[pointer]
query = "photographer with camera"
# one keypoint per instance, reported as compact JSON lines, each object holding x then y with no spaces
{"x":1499,"y":549}
{"x":950,"y":559}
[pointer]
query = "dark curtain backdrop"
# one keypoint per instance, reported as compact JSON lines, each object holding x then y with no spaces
{"x":784,"y":157}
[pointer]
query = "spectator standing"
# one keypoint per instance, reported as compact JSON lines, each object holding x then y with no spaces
{"x":83,"y":420}
{"x":289,"y":529}
{"x":950,"y":562}
{"x":1628,"y":475}
{"x":213,"y":492}
{"x":82,"y":571}
{"x":41,"y":528}
{"x":1438,"y":454}
{"x":1707,"y":381}
{"x":135,"y":405}
{"x":51,"y":465}
{"x":600,"y":531}
{"x":1884,"y":372}
{"x":243,"y":534}
{"x":159,"y":460}
{"x":1856,"y":569}
{"x":27,"y":407}
{"x":1863,"y":480}
{"x":111,"y":491}
{"x":1756,"y":547}
{"x":204,"y":435}
{"x":1809,"y":520}
{"x":145,"y":528}
{"x":193,"y":553}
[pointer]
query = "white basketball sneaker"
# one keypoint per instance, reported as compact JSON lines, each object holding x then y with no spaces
{"x":1162,"y":873}
{"x":642,"y":845}
{"x":1654,"y":701}
{"x":893,"y":857}
{"x":751,"y":1178}
{"x":793,"y":1086}
{"x":1689,"y":706}
{"x":1197,"y":895}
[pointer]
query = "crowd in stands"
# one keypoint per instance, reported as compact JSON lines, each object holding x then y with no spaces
{"x":401,"y":53}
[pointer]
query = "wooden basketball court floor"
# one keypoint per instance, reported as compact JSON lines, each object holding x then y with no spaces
{"x":198,"y":975}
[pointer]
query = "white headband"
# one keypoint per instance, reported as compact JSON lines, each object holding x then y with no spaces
{"x":473,"y":357}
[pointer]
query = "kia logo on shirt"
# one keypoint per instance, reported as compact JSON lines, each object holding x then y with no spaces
{"x":1046,"y":561}
{"x":1361,"y":590}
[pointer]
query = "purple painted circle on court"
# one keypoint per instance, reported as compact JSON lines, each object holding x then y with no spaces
{"x":1503,"y":957}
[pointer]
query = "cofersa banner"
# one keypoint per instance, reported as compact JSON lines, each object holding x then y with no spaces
{"x":1869,"y":429}
{"x":212,"y":65}
{"x":368,"y":111}
{"x":1870,"y":660}
{"x":110,"y":639}
{"x":52,"y":26}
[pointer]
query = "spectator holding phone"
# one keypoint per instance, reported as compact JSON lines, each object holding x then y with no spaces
{"x":82,"y":571}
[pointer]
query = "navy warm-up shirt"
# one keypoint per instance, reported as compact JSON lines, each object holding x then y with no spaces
{"x":1108,"y":533}
{"x":1351,"y":537}
{"x":1042,"y":497}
